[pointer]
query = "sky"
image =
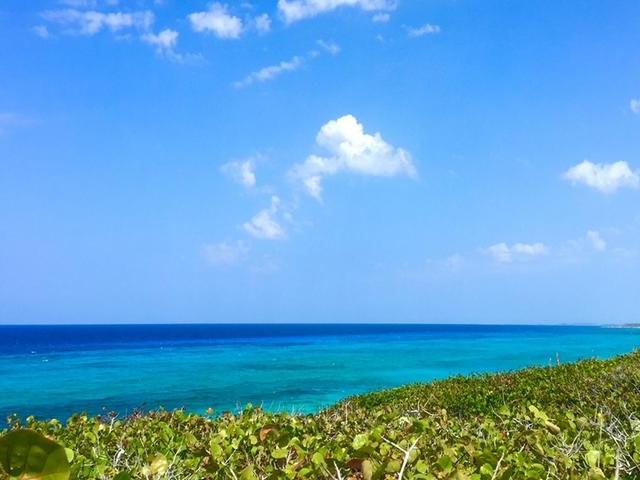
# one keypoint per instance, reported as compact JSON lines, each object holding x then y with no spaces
{"x":440,"y":161}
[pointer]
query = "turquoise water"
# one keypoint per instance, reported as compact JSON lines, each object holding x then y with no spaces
{"x":54,"y":371}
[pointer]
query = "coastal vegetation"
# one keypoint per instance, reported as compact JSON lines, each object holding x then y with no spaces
{"x":573,"y":421}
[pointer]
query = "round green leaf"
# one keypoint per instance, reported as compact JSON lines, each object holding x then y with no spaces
{"x":359,"y":441}
{"x":27,"y":455}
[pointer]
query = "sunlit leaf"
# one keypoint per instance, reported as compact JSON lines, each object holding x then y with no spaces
{"x":27,"y":455}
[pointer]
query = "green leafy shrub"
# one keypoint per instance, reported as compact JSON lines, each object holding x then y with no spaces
{"x":576,"y":421}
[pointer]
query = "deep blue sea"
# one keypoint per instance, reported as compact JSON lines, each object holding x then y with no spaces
{"x":52,"y":371}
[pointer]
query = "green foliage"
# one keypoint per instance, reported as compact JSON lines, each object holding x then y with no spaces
{"x":28,"y":455}
{"x":578,"y":421}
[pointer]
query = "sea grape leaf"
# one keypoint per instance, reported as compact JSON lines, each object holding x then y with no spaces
{"x":265,"y":431}
{"x":363,"y":466}
{"x":280,"y":453}
{"x":421,"y":466}
{"x":248,"y":474}
{"x":393,"y":466}
{"x":367,"y":470}
{"x":69,"y":454}
{"x":318,"y":459}
{"x":27,"y":455}
{"x":445,"y":463}
{"x":596,"y":474}
{"x":552,"y":427}
{"x":159,"y":464}
{"x":359,"y":441}
{"x":504,"y":410}
{"x":592,"y":458}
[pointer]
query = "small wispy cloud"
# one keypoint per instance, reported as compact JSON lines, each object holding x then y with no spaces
{"x":91,"y":22}
{"x":296,"y":10}
{"x":604,"y":177}
{"x":381,"y":18}
{"x":634,"y":105}
{"x":79,"y":3}
{"x":262,"y":23}
{"x":41,"y":31}
{"x":270,"y":72}
{"x":597,"y":242}
{"x":165,"y":43}
{"x":581,"y":249}
{"x":226,"y":253}
{"x":576,"y":250}
{"x":88,"y":3}
{"x":329,"y":46}
{"x":217,"y":21}
{"x":241,"y":171}
{"x":265,"y":224}
{"x":504,"y":253}
{"x":426,"y":29}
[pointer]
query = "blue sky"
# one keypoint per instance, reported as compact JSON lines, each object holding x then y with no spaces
{"x":319,"y":161}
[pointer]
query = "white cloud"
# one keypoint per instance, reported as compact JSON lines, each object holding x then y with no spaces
{"x":41,"y":30}
{"x":241,"y":171}
{"x":351,"y":150}
{"x":381,"y":18}
{"x":92,"y":22}
{"x":224,"y":254}
{"x":165,"y":43}
{"x":265,"y":224}
{"x":262,"y":23}
{"x":426,"y":29}
{"x":295,"y":10}
{"x":530,"y":249}
{"x":581,"y":249}
{"x":87,"y":3}
{"x":165,"y":40}
{"x":634,"y":105}
{"x":596,"y":240}
{"x":217,"y":21}
{"x":270,"y":72}
{"x":79,"y":3}
{"x":331,"y":47}
{"x":505,"y":254}
{"x":604,"y":177}
{"x":500,"y":251}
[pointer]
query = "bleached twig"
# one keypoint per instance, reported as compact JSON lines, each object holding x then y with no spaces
{"x":407,"y":454}
{"x":495,"y":472}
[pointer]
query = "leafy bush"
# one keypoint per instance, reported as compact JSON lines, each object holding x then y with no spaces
{"x":577,"y":421}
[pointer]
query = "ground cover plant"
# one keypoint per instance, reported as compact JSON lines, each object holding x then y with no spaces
{"x":574,"y":421}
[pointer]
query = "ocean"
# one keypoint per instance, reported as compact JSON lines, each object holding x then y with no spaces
{"x":54,"y":371}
